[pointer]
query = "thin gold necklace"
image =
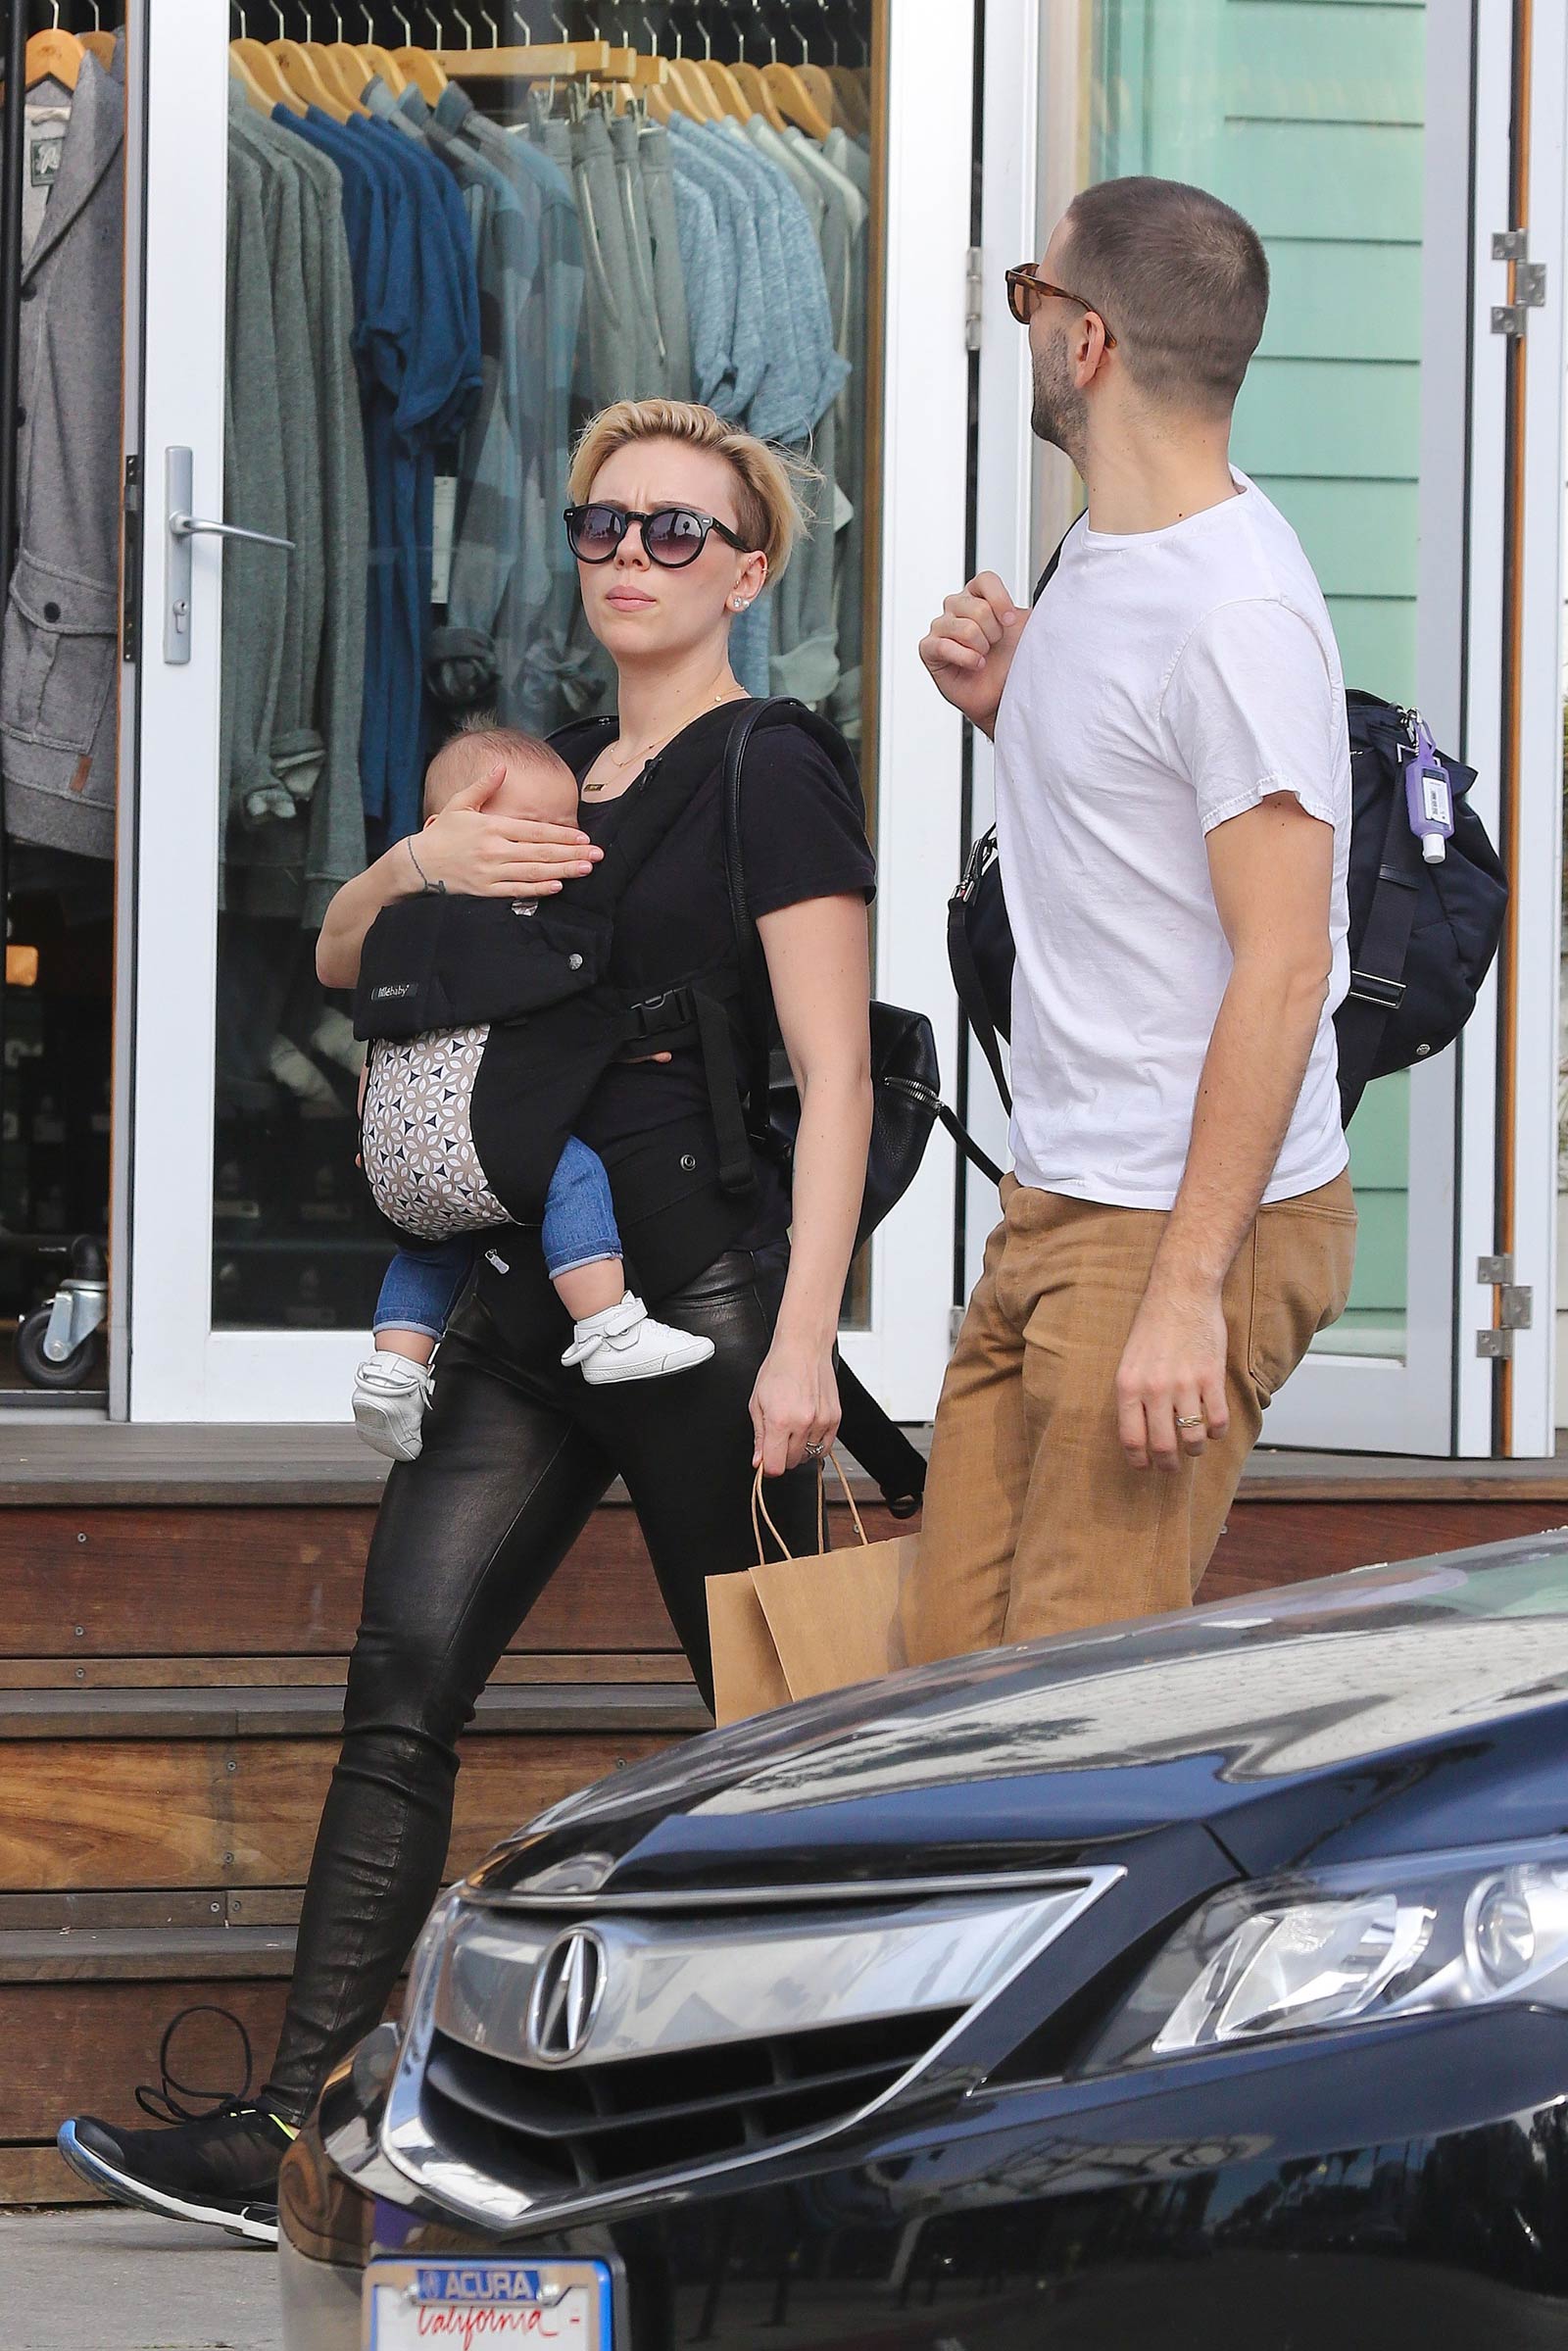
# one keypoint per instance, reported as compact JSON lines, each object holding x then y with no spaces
{"x":611,"y":750}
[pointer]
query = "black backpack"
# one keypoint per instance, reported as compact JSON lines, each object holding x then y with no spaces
{"x":1422,"y":935}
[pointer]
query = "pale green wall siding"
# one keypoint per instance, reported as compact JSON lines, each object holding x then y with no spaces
{"x":1306,"y":115}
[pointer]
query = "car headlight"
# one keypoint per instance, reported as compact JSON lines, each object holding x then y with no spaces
{"x":1352,"y":1946}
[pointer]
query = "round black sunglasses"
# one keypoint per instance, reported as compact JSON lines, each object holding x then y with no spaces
{"x":672,"y":536}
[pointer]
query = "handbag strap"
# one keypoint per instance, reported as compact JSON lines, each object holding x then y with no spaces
{"x":762,"y":1516}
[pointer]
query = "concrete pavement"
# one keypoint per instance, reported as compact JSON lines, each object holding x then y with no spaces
{"x":105,"y":2280}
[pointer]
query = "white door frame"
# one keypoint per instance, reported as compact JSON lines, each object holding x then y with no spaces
{"x":181,"y":1369}
{"x":920,"y":737}
{"x":1527,"y":1211}
{"x":1438,"y":1398}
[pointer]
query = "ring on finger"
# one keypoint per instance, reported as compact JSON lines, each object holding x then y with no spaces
{"x":1189,"y":1420}
{"x":814,"y":1452}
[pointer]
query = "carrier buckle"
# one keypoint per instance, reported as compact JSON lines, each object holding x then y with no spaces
{"x":1368,"y":989}
{"x":657,"y":1015}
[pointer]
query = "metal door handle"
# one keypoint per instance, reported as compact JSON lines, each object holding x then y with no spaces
{"x":186,"y":526}
{"x":181,"y":526}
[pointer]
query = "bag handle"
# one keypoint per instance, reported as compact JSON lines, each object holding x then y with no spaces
{"x":762,"y":1516}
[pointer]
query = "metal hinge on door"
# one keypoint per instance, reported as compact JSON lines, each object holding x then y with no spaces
{"x":973,"y":296}
{"x":1515,"y":1307}
{"x":1529,"y":282}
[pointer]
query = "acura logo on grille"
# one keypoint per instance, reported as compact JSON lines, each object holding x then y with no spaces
{"x":567,"y":1986}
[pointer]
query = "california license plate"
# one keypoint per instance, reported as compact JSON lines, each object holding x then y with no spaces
{"x":471,"y":2304}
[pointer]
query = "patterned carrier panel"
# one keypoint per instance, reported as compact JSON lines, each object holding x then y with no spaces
{"x":416,"y":1136}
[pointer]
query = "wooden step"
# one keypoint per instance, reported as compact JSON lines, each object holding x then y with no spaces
{"x":596,"y":1711}
{"x":265,"y":1582}
{"x":221,"y":1789}
{"x":82,"y":2015}
{"x":1272,"y":1540}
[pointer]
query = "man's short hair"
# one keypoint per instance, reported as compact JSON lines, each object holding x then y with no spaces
{"x":1182,"y":282}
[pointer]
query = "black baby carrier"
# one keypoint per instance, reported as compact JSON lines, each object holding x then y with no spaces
{"x":490,"y":1022}
{"x":1423,"y":930}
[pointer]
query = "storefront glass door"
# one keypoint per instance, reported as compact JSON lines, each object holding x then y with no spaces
{"x":303,"y":384}
{"x":1368,"y":144}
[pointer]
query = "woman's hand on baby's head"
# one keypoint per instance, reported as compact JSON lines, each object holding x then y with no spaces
{"x":482,"y":855}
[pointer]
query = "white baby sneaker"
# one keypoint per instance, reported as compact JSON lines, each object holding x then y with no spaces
{"x":624,"y":1342}
{"x":390,"y":1394}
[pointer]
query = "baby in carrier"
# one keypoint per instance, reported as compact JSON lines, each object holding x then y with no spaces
{"x":415,"y":1084}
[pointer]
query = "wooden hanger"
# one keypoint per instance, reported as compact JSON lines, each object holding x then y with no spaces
{"x":263,"y":71}
{"x":818,"y":86}
{"x":305,"y":79}
{"x":527,"y":61}
{"x":795,"y":100}
{"x":100,"y":46}
{"x":691,"y":92}
{"x":753,"y":88}
{"x":353,"y":70}
{"x":727,"y":90}
{"x":661,"y":105}
{"x":240,"y":72}
{"x":849,"y":99}
{"x":382,"y":60}
{"x":426,"y":71}
{"x":344,"y":86}
{"x":54,"y":56}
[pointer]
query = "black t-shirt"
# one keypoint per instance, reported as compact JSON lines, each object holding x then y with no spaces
{"x":803,"y":836}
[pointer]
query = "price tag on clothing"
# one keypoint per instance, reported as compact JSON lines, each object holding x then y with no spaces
{"x":441,"y":536}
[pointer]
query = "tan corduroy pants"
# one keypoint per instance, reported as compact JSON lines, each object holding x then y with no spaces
{"x":1034,"y":1521}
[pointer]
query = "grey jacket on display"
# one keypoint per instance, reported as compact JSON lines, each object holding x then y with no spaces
{"x":57,"y":709}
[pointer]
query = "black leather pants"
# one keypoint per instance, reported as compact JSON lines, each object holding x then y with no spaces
{"x":518,"y":1452}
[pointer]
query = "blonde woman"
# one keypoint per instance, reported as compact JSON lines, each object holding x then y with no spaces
{"x":676,"y":521}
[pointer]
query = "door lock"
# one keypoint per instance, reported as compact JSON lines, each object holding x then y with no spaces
{"x":182,"y":526}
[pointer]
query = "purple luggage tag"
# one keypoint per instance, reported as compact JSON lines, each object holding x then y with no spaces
{"x":1428,"y":792}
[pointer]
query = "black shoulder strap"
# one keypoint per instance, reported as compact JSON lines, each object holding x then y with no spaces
{"x":756,"y":997}
{"x":1049,"y":571}
{"x":961,"y":961}
{"x":1377,"y":984}
{"x":960,"y":957}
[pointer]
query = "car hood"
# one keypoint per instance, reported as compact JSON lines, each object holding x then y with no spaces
{"x":1394,"y":1709}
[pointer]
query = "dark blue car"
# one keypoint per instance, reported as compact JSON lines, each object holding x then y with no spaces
{"x":1199,"y":1983}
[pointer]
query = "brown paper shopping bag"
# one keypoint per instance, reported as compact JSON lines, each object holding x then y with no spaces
{"x":793,"y":1628}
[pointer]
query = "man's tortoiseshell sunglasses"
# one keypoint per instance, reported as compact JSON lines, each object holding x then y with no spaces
{"x":1025,"y":290}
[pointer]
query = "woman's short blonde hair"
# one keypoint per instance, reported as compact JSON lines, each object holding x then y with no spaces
{"x":768,"y":512}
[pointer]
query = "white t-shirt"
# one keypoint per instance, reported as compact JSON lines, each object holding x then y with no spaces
{"x":1166,"y":681}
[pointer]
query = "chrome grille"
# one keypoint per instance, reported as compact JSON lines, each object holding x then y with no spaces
{"x":593,"y":2126}
{"x":557,"y":2059}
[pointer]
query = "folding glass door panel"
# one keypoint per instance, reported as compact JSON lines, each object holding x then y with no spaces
{"x":383,"y":293}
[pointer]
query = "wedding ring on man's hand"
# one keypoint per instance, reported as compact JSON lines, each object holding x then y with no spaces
{"x":1189,"y":1420}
